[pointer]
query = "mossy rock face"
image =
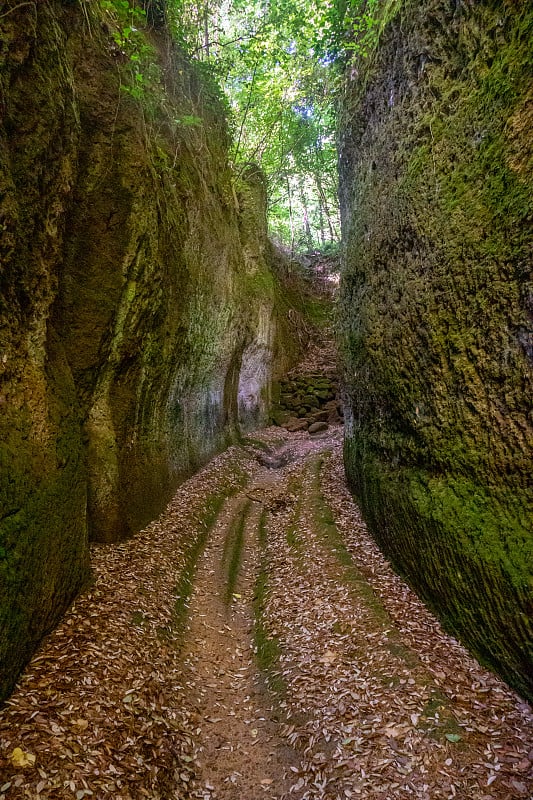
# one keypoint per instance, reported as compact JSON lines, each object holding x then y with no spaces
{"x":140,"y":321}
{"x":311,"y":401}
{"x":436,"y":313}
{"x":43,"y":529}
{"x":303,"y":396}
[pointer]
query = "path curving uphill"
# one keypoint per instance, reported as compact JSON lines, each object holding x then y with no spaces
{"x":254,"y":643}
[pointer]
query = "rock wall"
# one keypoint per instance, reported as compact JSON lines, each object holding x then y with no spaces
{"x":139,"y":319}
{"x":437,"y":311}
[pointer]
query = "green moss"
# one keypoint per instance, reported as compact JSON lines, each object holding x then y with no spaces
{"x":206,"y":523}
{"x":464,"y":550}
{"x":49,"y":521}
{"x":233,"y":547}
{"x":326,"y":527}
{"x":315,"y":309}
{"x":266,"y":646}
{"x":434,"y":312}
{"x":491,"y":527}
{"x":438,"y":721}
{"x":259,"y":285}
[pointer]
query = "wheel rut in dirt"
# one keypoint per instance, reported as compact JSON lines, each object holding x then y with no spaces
{"x":253,"y":642}
{"x":349,"y":703}
{"x":241,"y":754}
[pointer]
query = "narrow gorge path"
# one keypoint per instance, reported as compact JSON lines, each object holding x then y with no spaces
{"x":241,"y":751}
{"x":254,"y":643}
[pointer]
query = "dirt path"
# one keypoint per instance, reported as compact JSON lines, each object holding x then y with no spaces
{"x":254,"y":643}
{"x":241,"y":752}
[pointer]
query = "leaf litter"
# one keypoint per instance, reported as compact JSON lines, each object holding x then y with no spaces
{"x":382,"y":702}
{"x":377,"y":701}
{"x":100,"y":706}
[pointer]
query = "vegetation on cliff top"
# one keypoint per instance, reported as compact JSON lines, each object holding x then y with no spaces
{"x":274,"y":66}
{"x":277,"y":68}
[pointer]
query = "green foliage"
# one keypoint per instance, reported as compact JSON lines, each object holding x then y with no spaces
{"x":357,"y":26}
{"x":282,"y":93}
{"x":271,"y":63}
{"x":277,"y":67}
{"x":188,"y":120}
{"x":127,"y":23}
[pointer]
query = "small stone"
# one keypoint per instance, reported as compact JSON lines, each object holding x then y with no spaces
{"x":319,"y":416}
{"x":318,"y":427}
{"x":279,"y":417}
{"x":295,"y":425}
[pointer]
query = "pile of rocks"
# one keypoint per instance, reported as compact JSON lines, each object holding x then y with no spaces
{"x":307,"y":402}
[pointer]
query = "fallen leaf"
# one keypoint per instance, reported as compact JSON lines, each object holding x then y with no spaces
{"x":20,"y":759}
{"x":328,"y":658}
{"x":453,"y":737}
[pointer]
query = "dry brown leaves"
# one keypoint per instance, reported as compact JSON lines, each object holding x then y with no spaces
{"x":380,"y":700}
{"x":320,"y":355}
{"x":101,"y":704}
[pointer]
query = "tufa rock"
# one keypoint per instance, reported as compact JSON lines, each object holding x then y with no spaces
{"x":435,"y":313}
{"x":140,"y":321}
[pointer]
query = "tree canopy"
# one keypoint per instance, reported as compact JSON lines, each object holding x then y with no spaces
{"x":276,"y":62}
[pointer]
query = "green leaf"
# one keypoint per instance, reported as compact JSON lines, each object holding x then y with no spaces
{"x":453,"y":737}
